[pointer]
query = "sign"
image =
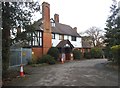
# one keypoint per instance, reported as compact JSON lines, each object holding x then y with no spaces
{"x":24,"y":53}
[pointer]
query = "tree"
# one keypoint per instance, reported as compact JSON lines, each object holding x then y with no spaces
{"x":113,"y":26}
{"x":14,"y":15}
{"x":95,"y":36}
{"x":112,"y":35}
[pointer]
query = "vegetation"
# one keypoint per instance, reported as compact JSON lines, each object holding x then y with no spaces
{"x":115,"y":52}
{"x":94,"y":53}
{"x":112,"y":32}
{"x":87,"y":55}
{"x":94,"y":36}
{"x":13,"y":17}
{"x":76,"y":54}
{"x":47,"y":59}
{"x":54,"y":52}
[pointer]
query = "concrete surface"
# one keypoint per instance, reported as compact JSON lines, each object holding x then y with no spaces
{"x":73,"y":73}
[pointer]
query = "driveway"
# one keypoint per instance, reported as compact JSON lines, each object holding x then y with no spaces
{"x":73,"y":73}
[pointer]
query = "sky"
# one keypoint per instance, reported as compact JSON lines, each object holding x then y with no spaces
{"x":82,"y":14}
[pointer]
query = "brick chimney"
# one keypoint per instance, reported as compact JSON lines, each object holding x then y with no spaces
{"x":56,"y":17}
{"x":47,"y":37}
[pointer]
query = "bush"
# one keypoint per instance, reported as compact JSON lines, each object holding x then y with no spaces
{"x":54,"y":52}
{"x":87,"y":55}
{"x":96,"y":53}
{"x":47,"y":59}
{"x":76,"y":54}
{"x":115,"y":52}
{"x":108,"y":53}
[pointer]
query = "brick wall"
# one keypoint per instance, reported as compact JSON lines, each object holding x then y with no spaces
{"x":37,"y":52}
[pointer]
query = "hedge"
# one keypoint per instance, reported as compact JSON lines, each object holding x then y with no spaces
{"x":76,"y":54}
{"x":47,"y":59}
{"x":94,"y":53}
{"x":115,"y":52}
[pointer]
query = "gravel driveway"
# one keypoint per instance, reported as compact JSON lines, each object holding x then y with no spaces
{"x":73,"y":73}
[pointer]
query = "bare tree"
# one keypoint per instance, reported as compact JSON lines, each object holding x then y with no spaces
{"x":96,"y":36}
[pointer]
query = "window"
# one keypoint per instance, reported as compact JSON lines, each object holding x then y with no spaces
{"x":61,"y":37}
{"x":68,"y":37}
{"x":73,"y":38}
{"x":53,"y":36}
{"x":52,"y":24}
{"x":36,"y":39}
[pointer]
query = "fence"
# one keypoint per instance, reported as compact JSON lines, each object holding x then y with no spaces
{"x":20,"y":56}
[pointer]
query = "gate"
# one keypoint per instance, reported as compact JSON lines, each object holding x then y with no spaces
{"x":20,"y":56}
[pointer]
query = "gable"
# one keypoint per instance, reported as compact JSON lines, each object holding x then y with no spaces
{"x":65,"y":43}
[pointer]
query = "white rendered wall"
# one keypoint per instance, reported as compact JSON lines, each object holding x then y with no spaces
{"x":56,"y":40}
{"x":76,"y":43}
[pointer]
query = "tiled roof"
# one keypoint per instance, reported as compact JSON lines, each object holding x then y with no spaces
{"x":38,"y":24}
{"x":85,"y":44}
{"x":64,"y":29}
{"x":59,"y":28}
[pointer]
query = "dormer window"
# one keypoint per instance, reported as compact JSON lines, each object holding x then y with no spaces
{"x":53,"y":24}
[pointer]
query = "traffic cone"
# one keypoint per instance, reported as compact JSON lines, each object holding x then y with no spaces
{"x":21,"y":71}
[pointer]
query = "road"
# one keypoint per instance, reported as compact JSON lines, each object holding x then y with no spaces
{"x":73,"y":73}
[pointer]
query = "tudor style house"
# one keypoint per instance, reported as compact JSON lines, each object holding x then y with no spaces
{"x":50,"y":33}
{"x":62,"y":32}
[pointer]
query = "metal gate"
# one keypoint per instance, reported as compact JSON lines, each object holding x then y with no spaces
{"x":20,"y":56}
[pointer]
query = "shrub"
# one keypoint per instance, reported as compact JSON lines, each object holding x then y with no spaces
{"x":115,"y":52}
{"x":47,"y":59}
{"x":76,"y":54}
{"x":54,"y":52}
{"x":96,"y":53}
{"x":108,"y":53}
{"x":87,"y":55}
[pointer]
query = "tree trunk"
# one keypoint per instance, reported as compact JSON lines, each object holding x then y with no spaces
{"x":5,"y":49}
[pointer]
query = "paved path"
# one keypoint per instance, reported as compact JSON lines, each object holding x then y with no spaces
{"x":73,"y":73}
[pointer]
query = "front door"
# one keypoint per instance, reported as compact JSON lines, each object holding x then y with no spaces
{"x":68,"y":51}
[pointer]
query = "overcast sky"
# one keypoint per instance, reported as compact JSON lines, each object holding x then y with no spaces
{"x":82,"y":14}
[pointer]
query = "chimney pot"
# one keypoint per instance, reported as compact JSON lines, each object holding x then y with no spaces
{"x":56,"y":17}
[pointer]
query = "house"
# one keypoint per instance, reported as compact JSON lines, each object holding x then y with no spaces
{"x":52,"y":33}
{"x":86,"y":44}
